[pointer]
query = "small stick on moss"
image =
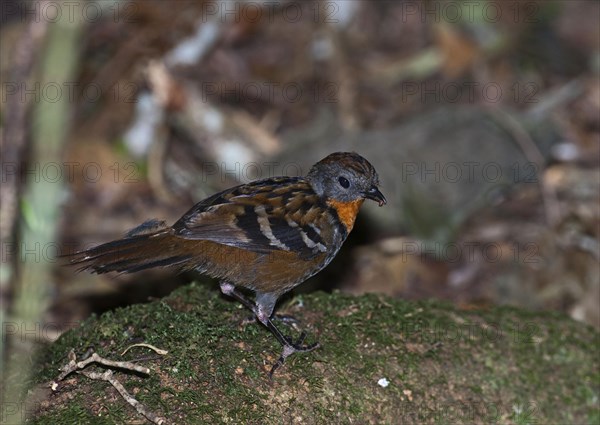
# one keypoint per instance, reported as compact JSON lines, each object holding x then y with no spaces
{"x":75,"y":366}
{"x":141,"y":409}
{"x":152,"y":347}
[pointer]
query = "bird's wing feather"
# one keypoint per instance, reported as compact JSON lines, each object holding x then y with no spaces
{"x":262,"y":216}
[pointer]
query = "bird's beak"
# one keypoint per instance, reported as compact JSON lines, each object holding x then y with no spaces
{"x":374,"y":194}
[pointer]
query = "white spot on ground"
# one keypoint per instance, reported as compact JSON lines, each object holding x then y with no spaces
{"x":383,"y":382}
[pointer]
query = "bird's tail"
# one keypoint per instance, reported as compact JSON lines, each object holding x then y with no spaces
{"x":142,"y":248}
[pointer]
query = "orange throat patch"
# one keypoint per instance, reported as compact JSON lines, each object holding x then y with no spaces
{"x":346,"y":211}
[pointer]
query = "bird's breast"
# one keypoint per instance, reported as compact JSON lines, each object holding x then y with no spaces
{"x":346,"y":211}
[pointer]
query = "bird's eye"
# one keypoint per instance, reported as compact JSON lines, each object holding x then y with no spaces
{"x":344,"y":182}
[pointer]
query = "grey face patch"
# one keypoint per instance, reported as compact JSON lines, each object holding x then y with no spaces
{"x":356,"y":173}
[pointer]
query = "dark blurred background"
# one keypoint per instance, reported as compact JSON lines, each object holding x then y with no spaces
{"x":482,"y":118}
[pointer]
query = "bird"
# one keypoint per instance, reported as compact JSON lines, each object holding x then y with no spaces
{"x":266,"y":237}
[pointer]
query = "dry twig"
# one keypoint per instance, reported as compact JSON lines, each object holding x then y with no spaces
{"x":74,"y":366}
{"x":152,"y":347}
{"x":141,"y":409}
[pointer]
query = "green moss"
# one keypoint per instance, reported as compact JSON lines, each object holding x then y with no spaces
{"x":443,"y":365}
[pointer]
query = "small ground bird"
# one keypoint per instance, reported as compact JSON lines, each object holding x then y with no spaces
{"x":267,"y":236}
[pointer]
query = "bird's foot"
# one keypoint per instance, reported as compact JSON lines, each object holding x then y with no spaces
{"x":290,"y":348}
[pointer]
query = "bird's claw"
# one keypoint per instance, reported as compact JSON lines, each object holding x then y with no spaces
{"x":290,"y":348}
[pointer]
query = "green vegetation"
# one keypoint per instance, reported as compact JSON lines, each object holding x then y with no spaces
{"x":443,"y":365}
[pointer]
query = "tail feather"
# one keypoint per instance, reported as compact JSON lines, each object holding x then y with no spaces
{"x":133,"y":253}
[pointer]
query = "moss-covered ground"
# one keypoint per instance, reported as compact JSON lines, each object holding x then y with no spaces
{"x":441,"y":365}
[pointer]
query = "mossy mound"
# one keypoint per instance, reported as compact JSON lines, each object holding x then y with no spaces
{"x":381,"y":361}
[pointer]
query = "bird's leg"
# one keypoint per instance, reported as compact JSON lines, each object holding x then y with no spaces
{"x":263,"y":310}
{"x":283,"y":318}
{"x":229,"y":289}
